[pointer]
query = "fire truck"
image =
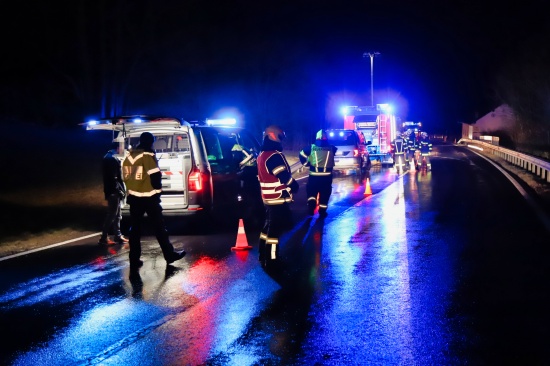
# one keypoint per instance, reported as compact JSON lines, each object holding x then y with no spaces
{"x":378,"y":125}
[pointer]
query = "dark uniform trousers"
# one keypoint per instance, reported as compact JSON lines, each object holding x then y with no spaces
{"x":114,"y":216}
{"x":321,"y":184}
{"x":138,"y":207}
{"x":278,"y":219}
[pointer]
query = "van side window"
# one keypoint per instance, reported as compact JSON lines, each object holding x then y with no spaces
{"x":212,"y":144}
{"x":248,"y":143}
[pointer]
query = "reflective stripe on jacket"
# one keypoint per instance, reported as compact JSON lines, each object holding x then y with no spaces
{"x":137,"y":168}
{"x":319,"y":157}
{"x":321,"y":160}
{"x":274,"y":192}
{"x":398,"y":146}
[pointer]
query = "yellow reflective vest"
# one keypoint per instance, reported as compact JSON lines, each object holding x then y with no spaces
{"x":137,"y":168}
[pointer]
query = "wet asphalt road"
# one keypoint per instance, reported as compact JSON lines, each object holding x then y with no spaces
{"x":447,"y":267}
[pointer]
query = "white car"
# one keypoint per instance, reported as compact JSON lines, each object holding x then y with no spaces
{"x":352,"y":155}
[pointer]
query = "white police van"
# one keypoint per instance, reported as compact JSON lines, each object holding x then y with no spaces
{"x":198,"y":167}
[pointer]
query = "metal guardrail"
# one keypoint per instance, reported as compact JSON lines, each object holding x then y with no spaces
{"x":530,"y":163}
{"x":296,"y":167}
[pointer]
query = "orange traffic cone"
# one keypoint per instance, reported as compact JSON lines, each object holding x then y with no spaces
{"x":242,"y":242}
{"x":368,"y":191}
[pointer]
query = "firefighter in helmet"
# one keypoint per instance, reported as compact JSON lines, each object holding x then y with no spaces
{"x":408,"y":145}
{"x":416,"y":150}
{"x":425,"y":150}
{"x":319,"y":157}
{"x":398,"y":148}
{"x":277,"y":187}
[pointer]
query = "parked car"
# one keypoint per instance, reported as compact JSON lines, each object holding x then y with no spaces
{"x":200,"y":172}
{"x":352,"y":155}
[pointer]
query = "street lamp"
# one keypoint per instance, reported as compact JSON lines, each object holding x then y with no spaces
{"x":371,"y":55}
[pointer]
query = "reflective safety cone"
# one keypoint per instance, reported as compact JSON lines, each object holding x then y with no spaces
{"x":242,"y":242}
{"x":368,"y":191}
{"x":413,"y":167}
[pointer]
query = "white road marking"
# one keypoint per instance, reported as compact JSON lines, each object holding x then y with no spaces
{"x":48,"y":247}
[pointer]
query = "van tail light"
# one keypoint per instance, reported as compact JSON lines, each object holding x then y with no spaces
{"x":355,"y":152}
{"x":195,"y":182}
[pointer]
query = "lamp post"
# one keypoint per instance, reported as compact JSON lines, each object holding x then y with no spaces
{"x":371,"y":55}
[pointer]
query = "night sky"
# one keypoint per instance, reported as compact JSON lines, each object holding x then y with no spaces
{"x":288,"y":62}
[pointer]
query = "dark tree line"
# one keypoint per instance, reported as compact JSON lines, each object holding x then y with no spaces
{"x":287,"y":62}
{"x":105,"y":58}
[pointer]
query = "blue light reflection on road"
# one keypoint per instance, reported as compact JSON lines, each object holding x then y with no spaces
{"x":367,"y":315}
{"x":206,"y":306}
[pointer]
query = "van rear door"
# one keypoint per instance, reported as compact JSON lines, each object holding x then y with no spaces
{"x":174,"y":156}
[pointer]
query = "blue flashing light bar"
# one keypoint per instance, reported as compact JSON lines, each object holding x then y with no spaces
{"x":346,"y":110}
{"x":221,"y":122}
{"x":341,"y":134}
{"x":384,"y":107}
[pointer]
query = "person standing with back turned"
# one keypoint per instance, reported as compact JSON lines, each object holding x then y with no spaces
{"x":142,"y":176}
{"x":277,"y":187}
{"x":320,"y":159}
{"x":114,"y":190}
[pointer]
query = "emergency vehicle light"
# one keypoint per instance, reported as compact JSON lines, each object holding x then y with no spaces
{"x":221,"y":122}
{"x":384,"y":107}
{"x":137,"y":120}
{"x":346,"y":110}
{"x":331,"y":134}
{"x":94,"y":122}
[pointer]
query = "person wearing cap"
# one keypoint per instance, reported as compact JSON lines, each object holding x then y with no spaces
{"x":142,"y":176}
{"x":115,"y":192}
{"x":319,"y":157}
{"x":277,"y":187}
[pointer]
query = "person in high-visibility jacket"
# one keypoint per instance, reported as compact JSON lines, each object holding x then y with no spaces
{"x":142,"y":176}
{"x":408,"y":146}
{"x":398,"y":149}
{"x":277,"y":187}
{"x":425,"y":150}
{"x":319,"y":157}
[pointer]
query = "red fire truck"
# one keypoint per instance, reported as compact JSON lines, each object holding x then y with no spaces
{"x":378,"y":125}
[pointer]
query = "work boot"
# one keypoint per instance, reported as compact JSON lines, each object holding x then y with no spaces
{"x":121,"y":239}
{"x":105,"y":241}
{"x":176,"y":256}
